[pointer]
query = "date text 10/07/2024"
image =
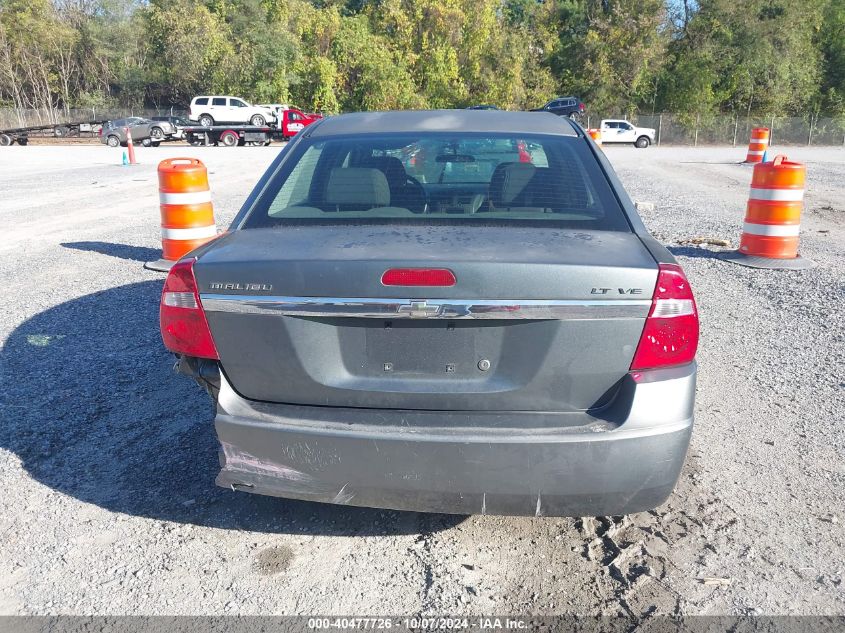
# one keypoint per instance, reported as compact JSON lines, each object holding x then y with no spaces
{"x":419,"y":624}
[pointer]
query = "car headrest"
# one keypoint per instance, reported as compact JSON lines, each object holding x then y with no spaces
{"x":390,"y":166}
{"x":357,"y":185}
{"x":508,"y":181}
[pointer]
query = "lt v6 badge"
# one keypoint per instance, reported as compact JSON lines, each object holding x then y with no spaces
{"x":622,"y":291}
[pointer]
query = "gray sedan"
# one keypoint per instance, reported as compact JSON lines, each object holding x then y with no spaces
{"x":445,"y":311}
{"x":143,"y":131}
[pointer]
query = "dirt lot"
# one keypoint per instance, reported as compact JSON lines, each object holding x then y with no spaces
{"x":107,"y":458}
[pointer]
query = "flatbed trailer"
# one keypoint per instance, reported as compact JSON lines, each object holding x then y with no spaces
{"x":20,"y":135}
{"x":232,"y":135}
{"x":289,"y":122}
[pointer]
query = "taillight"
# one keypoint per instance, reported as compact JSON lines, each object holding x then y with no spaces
{"x":581,"y":107}
{"x":418,"y":277}
{"x":670,"y":335}
{"x":184,"y":328}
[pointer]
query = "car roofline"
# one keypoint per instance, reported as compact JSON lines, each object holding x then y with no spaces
{"x":459,"y":121}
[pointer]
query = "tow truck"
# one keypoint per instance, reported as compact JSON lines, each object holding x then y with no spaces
{"x":288,"y":123}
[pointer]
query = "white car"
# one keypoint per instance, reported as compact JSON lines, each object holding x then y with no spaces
{"x":275,"y":108}
{"x":621,"y":131}
{"x":210,"y":110}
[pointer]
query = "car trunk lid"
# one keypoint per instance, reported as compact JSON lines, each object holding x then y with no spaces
{"x":538,"y":319}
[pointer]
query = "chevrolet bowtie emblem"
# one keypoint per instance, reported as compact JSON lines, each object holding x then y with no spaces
{"x":420,"y":309}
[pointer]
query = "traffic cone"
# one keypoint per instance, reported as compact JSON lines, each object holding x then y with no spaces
{"x":772,"y":226}
{"x":130,"y":147}
{"x":187,"y":216}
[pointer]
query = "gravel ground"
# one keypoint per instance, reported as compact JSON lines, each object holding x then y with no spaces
{"x":107,"y":458}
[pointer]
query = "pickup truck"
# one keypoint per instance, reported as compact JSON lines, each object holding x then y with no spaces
{"x":621,"y":131}
{"x":291,"y":121}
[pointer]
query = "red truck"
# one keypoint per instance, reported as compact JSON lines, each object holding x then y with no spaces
{"x":289,"y":121}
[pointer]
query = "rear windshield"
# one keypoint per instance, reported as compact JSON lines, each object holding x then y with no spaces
{"x":437,"y":178}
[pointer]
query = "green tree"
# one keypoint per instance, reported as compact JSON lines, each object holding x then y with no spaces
{"x":610,"y":51}
{"x":831,"y":44}
{"x":372,"y":76}
{"x":190,"y":50}
{"x":38,"y":68}
{"x":757,"y":57}
{"x":695,"y":57}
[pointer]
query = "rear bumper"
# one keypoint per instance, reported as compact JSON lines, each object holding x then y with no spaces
{"x":626,"y":461}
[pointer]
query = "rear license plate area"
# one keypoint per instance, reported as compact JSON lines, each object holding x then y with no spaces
{"x":429,"y":348}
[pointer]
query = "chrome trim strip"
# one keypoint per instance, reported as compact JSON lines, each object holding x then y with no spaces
{"x":370,"y":308}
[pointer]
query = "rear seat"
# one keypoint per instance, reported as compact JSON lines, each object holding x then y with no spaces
{"x":351,"y":189}
{"x":525,"y":187}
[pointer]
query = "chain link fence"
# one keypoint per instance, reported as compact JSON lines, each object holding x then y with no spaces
{"x":670,"y":129}
{"x":674,"y":129}
{"x":11,"y":118}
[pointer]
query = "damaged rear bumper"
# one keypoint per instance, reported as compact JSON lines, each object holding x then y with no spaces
{"x":627,"y":460}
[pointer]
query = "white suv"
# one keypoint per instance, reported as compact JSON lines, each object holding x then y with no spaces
{"x":209,"y":110}
{"x":621,"y":131}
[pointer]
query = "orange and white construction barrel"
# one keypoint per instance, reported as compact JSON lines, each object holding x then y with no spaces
{"x":770,"y":232}
{"x":758,"y":145}
{"x":187,"y":215}
{"x":595,"y":134}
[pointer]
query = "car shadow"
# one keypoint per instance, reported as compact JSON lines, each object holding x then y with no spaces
{"x":92,"y":408}
{"x":695,"y":252}
{"x":122,"y":251}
